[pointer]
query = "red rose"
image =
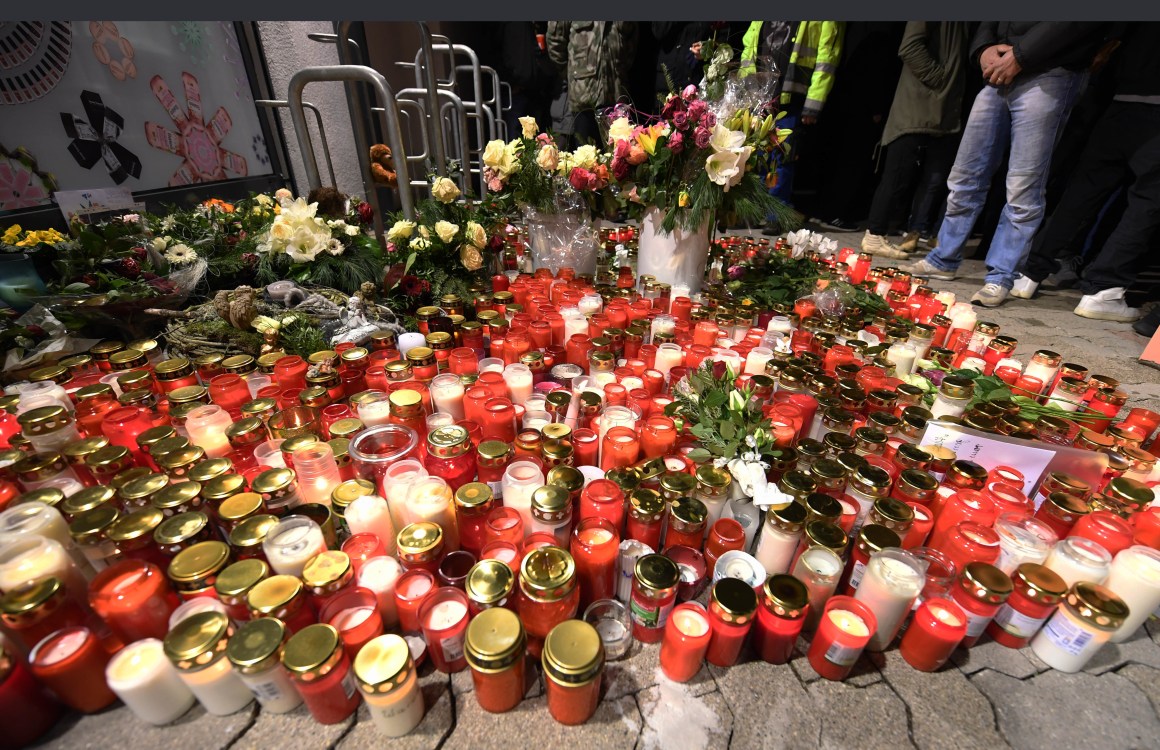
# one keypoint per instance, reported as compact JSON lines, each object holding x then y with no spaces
{"x":366,"y":212}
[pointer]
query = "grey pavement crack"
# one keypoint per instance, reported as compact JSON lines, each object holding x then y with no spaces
{"x":991,"y":703}
{"x":338,"y":740}
{"x":254,"y":711}
{"x":909,"y":713}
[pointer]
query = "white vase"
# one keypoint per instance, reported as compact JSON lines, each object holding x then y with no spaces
{"x":676,"y":259}
{"x":562,"y":240}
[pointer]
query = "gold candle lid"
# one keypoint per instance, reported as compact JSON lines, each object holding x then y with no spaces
{"x":419,"y":542}
{"x":198,"y":562}
{"x":349,"y":491}
{"x":176,"y":496}
{"x":139,"y":490}
{"x":90,"y":526}
{"x":689,"y":511}
{"x":1097,"y":605}
{"x":985,"y":582}
{"x":189,"y":394}
{"x":181,"y":528}
{"x":209,"y":469}
{"x":257,"y":644}
{"x":473,"y":495}
{"x":733,"y":600}
{"x":237,"y":507}
{"x":51,"y":496}
{"x":312,"y":652}
{"x":568,"y":477}
{"x":489,"y":582}
{"x":573,"y":653}
{"x":87,"y":499}
{"x":646,"y":505}
{"x":251,"y":532}
{"x":198,"y":640}
{"x":346,"y":428}
{"x":826,"y":534}
{"x":383,"y":665}
{"x":78,"y":451}
{"x":154,"y":435}
{"x":236,"y":580}
{"x":272,"y":480}
{"x":327,"y":572}
{"x":548,"y":573}
{"x":26,"y":598}
{"x":136,"y":525}
{"x":785,"y":596}
{"x":223,"y":486}
{"x":269,"y":596}
{"x":656,"y":572}
{"x":494,"y":641}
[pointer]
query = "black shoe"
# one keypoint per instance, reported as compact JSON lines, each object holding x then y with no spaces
{"x":771,"y":229}
{"x":1147,"y":325}
{"x":838,"y":225}
{"x":1066,"y":277}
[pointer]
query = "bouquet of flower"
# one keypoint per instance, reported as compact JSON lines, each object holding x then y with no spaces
{"x":323,"y":247}
{"x":694,"y":166}
{"x":447,"y":247}
{"x":15,"y":239}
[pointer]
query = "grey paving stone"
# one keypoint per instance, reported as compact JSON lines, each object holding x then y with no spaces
{"x":871,"y":717}
{"x":864,"y":673}
{"x":946,"y":711}
{"x":429,"y":734}
{"x":529,"y":726}
{"x":1055,"y":710}
{"x":640,"y":669}
{"x":1139,"y":649}
{"x":116,"y":726}
{"x":1147,"y":680}
{"x":673,"y":717}
{"x":296,"y":730}
{"x":987,"y":654}
{"x":768,"y":701}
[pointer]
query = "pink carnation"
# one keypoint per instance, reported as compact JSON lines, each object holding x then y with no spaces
{"x":543,"y":139}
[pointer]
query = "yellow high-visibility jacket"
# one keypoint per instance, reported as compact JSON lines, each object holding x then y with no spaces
{"x":813,"y":60}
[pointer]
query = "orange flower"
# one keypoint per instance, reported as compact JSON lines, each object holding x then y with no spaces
{"x":219,"y":204}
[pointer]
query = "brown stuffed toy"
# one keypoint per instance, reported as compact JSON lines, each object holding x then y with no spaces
{"x":331,"y":203}
{"x":383,"y":166}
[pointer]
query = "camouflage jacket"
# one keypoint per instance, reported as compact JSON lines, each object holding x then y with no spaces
{"x":596,"y":56}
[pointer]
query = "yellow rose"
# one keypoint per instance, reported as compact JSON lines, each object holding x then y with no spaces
{"x":585,"y":157}
{"x":12,"y":234}
{"x":476,"y":235}
{"x":529,"y":126}
{"x":548,"y":158}
{"x":620,"y":130}
{"x":470,"y":257}
{"x":446,"y":230}
{"x":424,"y":233}
{"x":444,"y":190}
{"x":400,"y":231}
{"x":494,"y":153}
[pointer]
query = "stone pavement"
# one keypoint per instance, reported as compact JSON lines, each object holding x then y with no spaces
{"x":989,"y":697}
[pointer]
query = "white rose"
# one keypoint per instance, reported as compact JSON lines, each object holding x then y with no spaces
{"x":281,"y":231}
{"x":548,"y":158}
{"x":424,"y":233}
{"x":350,"y":230}
{"x":723,"y":138}
{"x":529,"y":127}
{"x":264,"y":200}
{"x":401,"y":230}
{"x":585,"y":157}
{"x":446,"y":230}
{"x":444,"y":190}
{"x":726,"y":168}
{"x":160,"y":243}
{"x":620,"y":130}
{"x":476,"y":235}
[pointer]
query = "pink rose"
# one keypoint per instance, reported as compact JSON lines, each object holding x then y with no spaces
{"x":690,"y":92}
{"x":697,"y":109}
{"x":543,"y":139}
{"x":620,"y":167}
{"x":709,"y":120}
{"x":636,"y":154}
{"x":581,"y":178}
{"x":681,"y":120}
{"x":676,"y":142}
{"x":622,"y":149}
{"x":495,"y":185}
{"x":702,"y":137}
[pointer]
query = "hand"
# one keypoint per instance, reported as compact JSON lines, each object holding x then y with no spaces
{"x":990,"y":57}
{"x":1004,"y":72}
{"x":696,"y":49}
{"x":809,"y":119}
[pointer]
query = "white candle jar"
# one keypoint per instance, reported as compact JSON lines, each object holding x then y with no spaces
{"x":520,"y":480}
{"x":1044,"y":365}
{"x":1135,"y":578}
{"x":757,"y":359}
{"x":206,"y":427}
{"x":255,"y":651}
{"x":291,"y":543}
{"x":25,"y":558}
{"x":197,"y":648}
{"x":374,"y":412}
{"x":396,"y":484}
{"x":668,"y":356}
{"x":38,"y":519}
{"x":892,"y":581}
{"x":431,"y":499}
{"x":518,"y":378}
{"x":1077,"y":559}
{"x":953,"y":396}
{"x":1022,"y":539}
{"x":1083,"y":622}
{"x":317,"y":472}
{"x":381,"y":575}
{"x":447,"y":394}
{"x":820,"y":569}
{"x":779,"y":537}
{"x":144,"y":679}
{"x":389,"y":683}
{"x":370,"y":514}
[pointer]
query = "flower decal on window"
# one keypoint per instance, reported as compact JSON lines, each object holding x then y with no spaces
{"x":94,"y":138}
{"x":196,"y":141}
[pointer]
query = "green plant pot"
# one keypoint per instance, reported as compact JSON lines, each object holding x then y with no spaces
{"x":19,"y":281}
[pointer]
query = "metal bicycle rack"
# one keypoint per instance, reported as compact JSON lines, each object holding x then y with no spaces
{"x":389,"y":116}
{"x":453,"y":116}
{"x":283,"y":104}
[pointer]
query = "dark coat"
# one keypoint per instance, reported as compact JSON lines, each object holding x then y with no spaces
{"x":929,"y":95}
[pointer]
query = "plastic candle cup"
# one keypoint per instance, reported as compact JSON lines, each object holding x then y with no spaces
{"x":1022,"y":540}
{"x":781,"y":615}
{"x":432,"y":499}
{"x":354,"y":613}
{"x":819,"y":568}
{"x":197,"y":647}
{"x":1135,"y":578}
{"x":1077,"y":559}
{"x":72,"y":663}
{"x":892,"y":580}
{"x":134,"y":599}
{"x":844,"y":629}
{"x":686,"y":639}
{"x":206,"y":426}
{"x":291,"y":544}
{"x":25,"y":558}
{"x":412,"y":588}
{"x":255,"y":651}
{"x":732,"y":606}
{"x":443,"y":618}
{"x":573,"y":663}
{"x":520,"y":480}
{"x":1036,"y":592}
{"x":381,"y":575}
{"x":396,"y":487}
{"x":321,"y":671}
{"x":595,"y":549}
{"x":447,"y":392}
{"x":1083,"y":622}
{"x":144,"y":679}
{"x":389,"y":684}
{"x":938,"y":627}
{"x":369,"y":514}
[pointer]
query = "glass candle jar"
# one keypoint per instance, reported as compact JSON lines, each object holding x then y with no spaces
{"x":781,"y":615}
{"x":844,"y":630}
{"x":72,"y":662}
{"x":354,"y":614}
{"x":494,"y":648}
{"x":549,"y":594}
{"x":473,"y":503}
{"x":1083,"y":622}
{"x":33,"y":611}
{"x":321,"y":671}
{"x":646,"y":515}
{"x":892,"y":580}
{"x":197,"y":648}
{"x":27,"y":558}
{"x":967,"y":542}
{"x":654,"y":594}
{"x":936,"y":630}
{"x":980,"y":591}
{"x":255,"y":651}
{"x":552,"y":513}
{"x":520,"y":480}
{"x":411,"y":590}
{"x":284,"y":597}
{"x":443,"y":618}
{"x":1036,"y":590}
{"x":1135,"y":578}
{"x":595,"y":548}
{"x":134,"y":599}
{"x":603,"y":498}
{"x":380,"y":575}
{"x":490,"y":584}
{"x":194,"y":570}
{"x":686,"y":640}
{"x":1022,"y":540}
{"x":732,"y":605}
{"x":687,"y":519}
{"x":1105,"y":528}
{"x":420,"y":545}
{"x":871,"y":538}
{"x":290,"y":545}
{"x":573,"y":663}
{"x":1079,"y":559}
{"x":146,"y":681}
{"x":234,"y":583}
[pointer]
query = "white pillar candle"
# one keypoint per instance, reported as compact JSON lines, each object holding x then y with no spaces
{"x":397,"y":481}
{"x":218,"y":687}
{"x":292,"y":543}
{"x":518,"y":378}
{"x":902,"y":355}
{"x":370,"y":514}
{"x":408,"y":341}
{"x":447,"y":394}
{"x":381,"y":575}
{"x":758,"y":357}
{"x":490,"y":364}
{"x":1078,"y":559}
{"x":778,"y":542}
{"x":206,"y":427}
{"x":376,"y":412}
{"x":520,"y":480}
{"x":1135,"y":578}
{"x":892,"y":580}
{"x":962,"y":315}
{"x":669,"y":355}
{"x":590,"y":304}
{"x":431,"y":499}
{"x":25,"y":558}
{"x":146,"y":682}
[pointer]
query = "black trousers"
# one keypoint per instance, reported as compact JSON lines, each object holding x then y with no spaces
{"x":1124,"y":146}
{"x":914,"y":172}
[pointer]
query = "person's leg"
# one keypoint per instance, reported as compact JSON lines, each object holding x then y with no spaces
{"x":1039,"y":107}
{"x":783,"y":190}
{"x":898,"y":174}
{"x":932,"y":184}
{"x":1102,"y":168}
{"x":984,"y":140}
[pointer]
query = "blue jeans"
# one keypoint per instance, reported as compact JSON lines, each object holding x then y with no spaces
{"x":1027,"y":116}
{"x":785,"y":163}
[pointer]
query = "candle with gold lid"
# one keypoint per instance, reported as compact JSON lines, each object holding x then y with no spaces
{"x":234,"y":583}
{"x":179,"y":532}
{"x":290,"y":544}
{"x":278,"y":489}
{"x":78,"y":452}
{"x":178,"y":463}
{"x":132,"y":536}
{"x":255,"y":651}
{"x":146,"y":681}
{"x":194,"y":570}
{"x":175,"y":499}
{"x":247,"y":537}
{"x":236,"y":508}
{"x":284,"y":597}
{"x":197,"y":647}
{"x":86,"y":500}
{"x":89,"y":529}
{"x":1083,"y":622}
{"x":138,"y":493}
{"x":322,"y":673}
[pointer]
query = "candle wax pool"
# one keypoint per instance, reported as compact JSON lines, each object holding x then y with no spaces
{"x":691,"y":624}
{"x":445,"y":615}
{"x":62,"y":648}
{"x":349,"y":619}
{"x":595,"y":537}
{"x":848,"y":622}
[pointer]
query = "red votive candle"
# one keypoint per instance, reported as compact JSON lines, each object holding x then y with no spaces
{"x":732,"y":604}
{"x":134,"y":598}
{"x":935,"y":632}
{"x":443,"y":618}
{"x":685,"y":641}
{"x":843,"y":632}
{"x":603,"y":498}
{"x":1105,"y":528}
{"x":72,"y":662}
{"x":354,"y":613}
{"x":781,"y":614}
{"x":362,"y":547}
{"x":595,"y":548}
{"x":26,"y":709}
{"x":411,"y":589}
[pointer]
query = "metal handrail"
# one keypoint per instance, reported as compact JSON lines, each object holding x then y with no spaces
{"x":283,"y":104}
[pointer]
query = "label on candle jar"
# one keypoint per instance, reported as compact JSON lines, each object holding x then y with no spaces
{"x":266,"y":692}
{"x":452,"y":648}
{"x":976,"y":624}
{"x":856,"y":573}
{"x":1016,"y":623}
{"x":651,"y":617}
{"x":348,"y":685}
{"x":843,"y":656}
{"x":1067,"y":635}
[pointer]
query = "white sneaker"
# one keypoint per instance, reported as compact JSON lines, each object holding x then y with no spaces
{"x":922,"y":268}
{"x":1024,"y":287}
{"x":876,"y":244}
{"x":991,"y":295}
{"x":1107,"y":305}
